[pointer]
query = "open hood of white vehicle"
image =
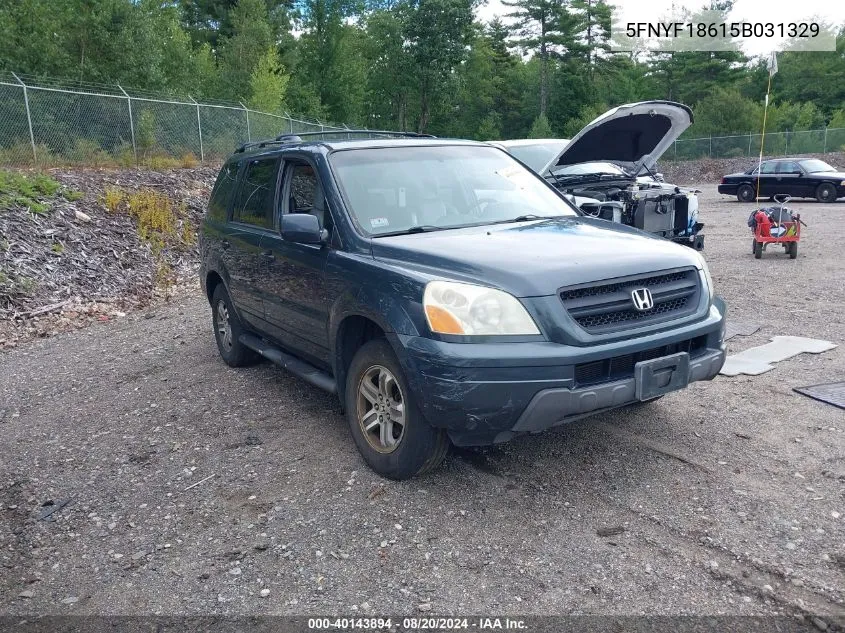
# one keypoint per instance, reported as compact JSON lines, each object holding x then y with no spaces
{"x":632,"y":136}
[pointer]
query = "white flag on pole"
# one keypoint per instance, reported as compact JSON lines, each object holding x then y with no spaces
{"x":772,"y":64}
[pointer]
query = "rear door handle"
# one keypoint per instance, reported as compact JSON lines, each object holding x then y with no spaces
{"x":225,"y":244}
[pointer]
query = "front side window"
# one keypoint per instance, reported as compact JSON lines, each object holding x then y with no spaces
{"x":305,"y":194}
{"x":254,"y":204}
{"x":392,"y":190}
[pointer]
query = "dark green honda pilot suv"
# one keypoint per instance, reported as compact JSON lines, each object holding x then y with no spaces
{"x":445,"y":292}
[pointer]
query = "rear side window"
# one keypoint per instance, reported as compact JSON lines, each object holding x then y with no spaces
{"x":222,"y":192}
{"x":788,"y":168}
{"x":257,"y":193}
{"x":769,"y":168}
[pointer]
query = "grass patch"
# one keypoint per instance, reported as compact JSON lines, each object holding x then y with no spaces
{"x":27,"y":191}
{"x":72,"y":196}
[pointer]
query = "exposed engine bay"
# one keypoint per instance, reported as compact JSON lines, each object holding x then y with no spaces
{"x":659,"y":208}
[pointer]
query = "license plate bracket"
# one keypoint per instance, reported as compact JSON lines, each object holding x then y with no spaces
{"x":661,"y":375}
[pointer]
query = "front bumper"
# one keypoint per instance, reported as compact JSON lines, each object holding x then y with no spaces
{"x":487,"y":393}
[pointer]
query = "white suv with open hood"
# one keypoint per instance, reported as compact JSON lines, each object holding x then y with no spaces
{"x":607,"y":168}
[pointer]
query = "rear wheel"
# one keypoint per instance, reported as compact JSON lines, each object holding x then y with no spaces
{"x":826,"y":192}
{"x":227,"y":331}
{"x":745,"y":193}
{"x":387,"y":425}
{"x":758,"y":250}
{"x":793,"y":250}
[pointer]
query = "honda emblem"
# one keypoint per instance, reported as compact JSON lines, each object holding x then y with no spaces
{"x":642,"y":299}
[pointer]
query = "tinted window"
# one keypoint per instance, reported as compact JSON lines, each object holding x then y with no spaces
{"x":788,"y":167}
{"x":769,"y":168}
{"x":305,"y":195}
{"x":222,"y":192}
{"x":257,"y":193}
{"x":392,"y":190}
{"x":303,"y":188}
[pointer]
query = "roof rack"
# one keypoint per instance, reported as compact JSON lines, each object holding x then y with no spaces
{"x":298,"y":137}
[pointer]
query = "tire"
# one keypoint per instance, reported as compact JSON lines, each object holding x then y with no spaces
{"x":746,"y":193}
{"x":753,"y":246}
{"x":793,"y":250}
{"x":758,"y":250}
{"x":826,"y":192}
{"x":392,"y":449}
{"x":227,"y":331}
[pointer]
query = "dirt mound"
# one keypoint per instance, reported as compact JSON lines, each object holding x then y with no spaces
{"x":73,"y":241}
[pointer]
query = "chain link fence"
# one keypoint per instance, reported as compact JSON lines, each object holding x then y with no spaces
{"x":775,"y":144}
{"x":50,"y":122}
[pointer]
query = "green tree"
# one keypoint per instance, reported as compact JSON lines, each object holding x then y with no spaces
{"x":543,"y":28}
{"x":241,"y":52}
{"x":437,"y":33}
{"x":268,"y":83}
{"x":541,"y":128}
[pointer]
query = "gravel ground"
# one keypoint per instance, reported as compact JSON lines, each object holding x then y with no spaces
{"x":727,"y":498}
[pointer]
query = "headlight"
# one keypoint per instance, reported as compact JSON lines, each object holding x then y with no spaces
{"x":707,"y":278}
{"x":465,"y":309}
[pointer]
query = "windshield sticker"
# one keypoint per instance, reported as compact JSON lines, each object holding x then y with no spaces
{"x":379,"y":223}
{"x":518,"y":176}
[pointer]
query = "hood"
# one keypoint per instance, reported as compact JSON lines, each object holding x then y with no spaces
{"x":532,"y":259}
{"x":632,"y":136}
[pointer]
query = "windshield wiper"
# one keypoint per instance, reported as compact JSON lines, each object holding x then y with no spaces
{"x":525,"y":218}
{"x":421,"y":228}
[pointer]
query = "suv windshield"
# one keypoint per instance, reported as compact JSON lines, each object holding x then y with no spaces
{"x":393,"y":190}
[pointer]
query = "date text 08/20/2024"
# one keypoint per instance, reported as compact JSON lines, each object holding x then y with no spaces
{"x":416,"y":624}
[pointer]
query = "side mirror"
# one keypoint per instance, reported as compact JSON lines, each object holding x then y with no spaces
{"x":302,"y":228}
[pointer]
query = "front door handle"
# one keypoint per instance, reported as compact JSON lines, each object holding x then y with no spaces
{"x":225,"y":244}
{"x":269,"y":256}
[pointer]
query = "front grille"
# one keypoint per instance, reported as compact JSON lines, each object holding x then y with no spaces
{"x":621,"y":367}
{"x":607,"y":306}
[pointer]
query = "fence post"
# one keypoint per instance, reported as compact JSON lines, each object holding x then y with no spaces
{"x":28,"y":118}
{"x":824,"y":151}
{"x":131,"y":123}
{"x":199,"y":129}
{"x":675,"y":145}
{"x":749,"y":143}
{"x":786,"y":145}
{"x":248,"y":133}
{"x":711,"y":146}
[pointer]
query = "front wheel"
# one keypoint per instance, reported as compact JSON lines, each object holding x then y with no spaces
{"x":758,"y":250}
{"x":386,"y":423}
{"x":227,"y":331}
{"x":745,"y":193}
{"x":826,"y":192}
{"x":793,"y":250}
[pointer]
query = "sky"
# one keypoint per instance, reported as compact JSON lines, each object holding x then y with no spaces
{"x":744,"y":10}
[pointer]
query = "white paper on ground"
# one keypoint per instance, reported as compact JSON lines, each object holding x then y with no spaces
{"x":758,"y":360}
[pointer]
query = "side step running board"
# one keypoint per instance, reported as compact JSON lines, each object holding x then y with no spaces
{"x":304,"y":370}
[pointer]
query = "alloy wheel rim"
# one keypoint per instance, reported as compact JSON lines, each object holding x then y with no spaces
{"x":224,"y":326}
{"x":381,"y":409}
